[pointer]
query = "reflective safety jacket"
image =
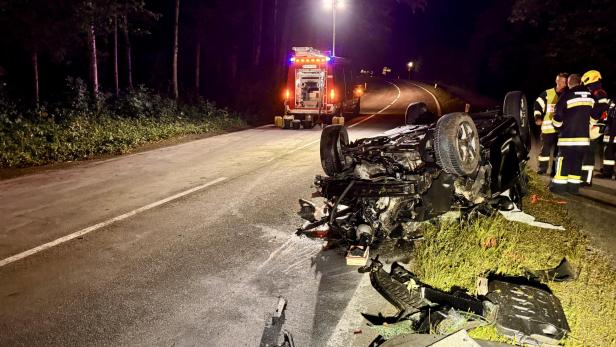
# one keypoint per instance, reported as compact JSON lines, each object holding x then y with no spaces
{"x":575,"y":109}
{"x":545,"y":106}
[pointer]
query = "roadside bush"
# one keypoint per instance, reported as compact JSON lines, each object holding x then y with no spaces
{"x":77,"y":129}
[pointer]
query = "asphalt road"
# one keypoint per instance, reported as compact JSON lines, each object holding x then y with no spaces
{"x":184,"y":245}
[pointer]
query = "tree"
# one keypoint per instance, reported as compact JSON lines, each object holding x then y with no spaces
{"x":36,"y":26}
{"x":174,"y":76}
{"x":564,"y":35}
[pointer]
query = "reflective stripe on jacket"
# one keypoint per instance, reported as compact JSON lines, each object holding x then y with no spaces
{"x":574,"y":111}
{"x":545,"y":105}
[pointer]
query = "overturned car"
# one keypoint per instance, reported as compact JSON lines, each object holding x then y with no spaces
{"x":386,"y":186}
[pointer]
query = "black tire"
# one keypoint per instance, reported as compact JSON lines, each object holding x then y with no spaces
{"x":516,"y":107}
{"x":456,"y":144}
{"x":333,"y":139}
{"x":307,"y":124}
{"x":296,"y":124}
{"x":417,"y":113}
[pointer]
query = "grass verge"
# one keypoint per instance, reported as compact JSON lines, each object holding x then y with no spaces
{"x":455,"y":255}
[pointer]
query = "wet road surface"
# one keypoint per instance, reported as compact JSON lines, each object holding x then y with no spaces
{"x":184,"y":245}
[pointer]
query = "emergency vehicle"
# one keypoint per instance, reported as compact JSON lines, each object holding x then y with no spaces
{"x":319,"y":90}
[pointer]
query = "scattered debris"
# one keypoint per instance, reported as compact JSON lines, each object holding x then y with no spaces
{"x":535,"y":199}
{"x":458,"y":339}
{"x":273,"y":331}
{"x":563,"y":272}
{"x":527,"y":313}
{"x":357,"y":255}
{"x":517,"y":215}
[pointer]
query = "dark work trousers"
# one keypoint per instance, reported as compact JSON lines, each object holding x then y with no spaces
{"x":609,"y":155}
{"x":568,"y":169}
{"x":548,"y":153}
{"x":588,"y":163}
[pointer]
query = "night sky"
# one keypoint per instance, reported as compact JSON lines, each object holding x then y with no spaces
{"x":471,"y":44}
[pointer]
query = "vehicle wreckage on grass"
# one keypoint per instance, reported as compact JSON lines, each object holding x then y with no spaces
{"x":384,"y":187}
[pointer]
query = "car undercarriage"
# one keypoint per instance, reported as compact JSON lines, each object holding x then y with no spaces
{"x":384,"y":187}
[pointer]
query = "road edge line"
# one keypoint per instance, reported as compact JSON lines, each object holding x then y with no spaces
{"x":438,"y":104}
{"x":381,"y":110}
{"x":105,"y":223}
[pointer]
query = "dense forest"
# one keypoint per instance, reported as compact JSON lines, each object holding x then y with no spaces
{"x":234,"y":51}
{"x":138,"y":59}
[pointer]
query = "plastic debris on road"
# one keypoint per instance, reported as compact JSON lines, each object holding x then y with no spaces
{"x":517,"y":215}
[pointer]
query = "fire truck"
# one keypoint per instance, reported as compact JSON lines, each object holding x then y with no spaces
{"x":319,"y":90}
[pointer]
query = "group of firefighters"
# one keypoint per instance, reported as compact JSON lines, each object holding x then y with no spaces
{"x":574,"y":116}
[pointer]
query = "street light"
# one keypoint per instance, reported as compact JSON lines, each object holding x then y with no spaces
{"x":409,"y":67}
{"x":333,"y":5}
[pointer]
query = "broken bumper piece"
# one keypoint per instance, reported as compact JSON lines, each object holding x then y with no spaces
{"x":528,"y":314}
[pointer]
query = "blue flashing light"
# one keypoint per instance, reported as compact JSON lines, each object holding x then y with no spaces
{"x":328,"y":58}
{"x":292,"y":60}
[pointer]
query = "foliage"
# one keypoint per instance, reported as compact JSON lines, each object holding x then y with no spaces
{"x":75,"y":130}
{"x":455,"y":255}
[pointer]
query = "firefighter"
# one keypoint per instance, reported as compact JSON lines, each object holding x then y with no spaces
{"x":592,"y":80}
{"x":573,"y":113}
{"x":609,"y":142}
{"x":544,"y":112}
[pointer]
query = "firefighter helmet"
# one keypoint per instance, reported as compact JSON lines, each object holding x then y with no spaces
{"x":591,"y":76}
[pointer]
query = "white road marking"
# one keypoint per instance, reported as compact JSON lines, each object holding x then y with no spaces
{"x":438,"y":105}
{"x":350,"y":126}
{"x":103,"y":224}
{"x":382,"y":110}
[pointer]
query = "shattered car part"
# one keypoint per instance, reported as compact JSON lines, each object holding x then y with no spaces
{"x":273,"y":331}
{"x":392,"y":286}
{"x":562,"y":273}
{"x":406,"y":292}
{"x":459,"y":339}
{"x":528,"y":314}
{"x":392,"y":183}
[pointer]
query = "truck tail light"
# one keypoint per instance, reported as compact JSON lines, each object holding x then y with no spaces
{"x":332,"y":95}
{"x":287,"y":94}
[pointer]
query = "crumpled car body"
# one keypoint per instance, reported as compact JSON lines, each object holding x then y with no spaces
{"x":385,"y":186}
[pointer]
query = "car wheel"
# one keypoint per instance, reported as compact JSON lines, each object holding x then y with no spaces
{"x":456,"y":144}
{"x":333,"y":139}
{"x":516,"y":106}
{"x":296,"y":123}
{"x":417,"y":113}
{"x":307,"y":124}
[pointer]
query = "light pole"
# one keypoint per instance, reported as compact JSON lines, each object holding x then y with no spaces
{"x":334,"y":4}
{"x":409,"y":67}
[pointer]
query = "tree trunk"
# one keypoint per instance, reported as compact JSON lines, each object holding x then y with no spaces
{"x":281,"y":52}
{"x":198,"y":69}
{"x":174,"y":78}
{"x":116,"y":82}
{"x":129,"y":59}
{"x":35,"y":75}
{"x":259,"y":34}
{"x":233,"y":61}
{"x":93,"y":64}
{"x":275,"y":36}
